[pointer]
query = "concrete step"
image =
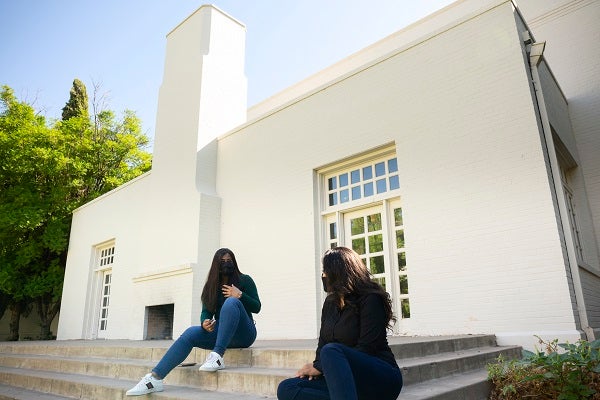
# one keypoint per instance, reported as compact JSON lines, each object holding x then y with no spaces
{"x":426,"y":362}
{"x":74,"y":386}
{"x":420,"y":369}
{"x":414,"y":370}
{"x":16,"y":393}
{"x":467,"y":386}
{"x":266,"y":353}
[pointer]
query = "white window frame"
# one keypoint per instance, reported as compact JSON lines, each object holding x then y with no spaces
{"x":385,"y":201}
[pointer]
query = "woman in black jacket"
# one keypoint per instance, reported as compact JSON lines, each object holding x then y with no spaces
{"x":353,"y":360}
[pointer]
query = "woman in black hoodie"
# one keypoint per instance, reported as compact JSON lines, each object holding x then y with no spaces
{"x":353,"y":360}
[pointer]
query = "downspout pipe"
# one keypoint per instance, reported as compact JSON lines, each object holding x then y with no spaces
{"x":535,"y":57}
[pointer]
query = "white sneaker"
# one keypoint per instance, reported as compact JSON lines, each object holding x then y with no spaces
{"x":148,"y":384}
{"x":213,"y":362}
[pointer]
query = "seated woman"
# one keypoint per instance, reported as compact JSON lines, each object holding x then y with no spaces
{"x":228,"y":300}
{"x":353,"y":359}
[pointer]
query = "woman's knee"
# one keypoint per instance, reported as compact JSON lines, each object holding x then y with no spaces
{"x":332,"y":348}
{"x":287,"y":389}
{"x":232,"y":302}
{"x":232,"y":305}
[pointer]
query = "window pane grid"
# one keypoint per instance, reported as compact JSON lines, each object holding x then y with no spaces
{"x":105,"y":301}
{"x":366,"y":238}
{"x":403,"y":284}
{"x":355,"y":183}
{"x":107,"y":256}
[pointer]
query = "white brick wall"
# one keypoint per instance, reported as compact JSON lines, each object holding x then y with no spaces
{"x":482,"y":239}
{"x":481,"y":233}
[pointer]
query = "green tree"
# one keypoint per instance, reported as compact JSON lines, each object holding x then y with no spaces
{"x":46,"y":172}
{"x":77,"y":106}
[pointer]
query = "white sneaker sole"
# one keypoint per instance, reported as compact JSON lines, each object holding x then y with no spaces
{"x":143,"y":393}
{"x":210,"y":369}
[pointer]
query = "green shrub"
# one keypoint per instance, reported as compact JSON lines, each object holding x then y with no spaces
{"x":560,"y":371}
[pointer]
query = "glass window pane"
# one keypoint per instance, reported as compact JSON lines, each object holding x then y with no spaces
{"x":333,"y":245}
{"x":376,"y":265}
{"x":367,"y":173}
{"x":332,"y":199}
{"x":104,"y":312}
{"x":381,"y":186}
{"x":405,"y":308}
{"x":356,"y":193}
{"x":402,"y":261}
{"x":343,"y":180}
{"x":102,"y":325}
{"x":332,"y":183}
{"x":368,"y":187}
{"x":398,"y":216}
{"x":105,"y":290}
{"x":105,"y":302}
{"x":357,"y":226}
{"x":375,"y":243}
{"x":403,"y":285}
{"x":392,"y":165}
{"x":355,"y":176}
{"x":333,"y":230}
{"x":358,"y":245}
{"x":374,"y":222}
{"x":400,"y":239}
{"x":380,"y":169}
{"x":344,"y":196}
{"x":381,"y":281}
{"x":394,"y":182}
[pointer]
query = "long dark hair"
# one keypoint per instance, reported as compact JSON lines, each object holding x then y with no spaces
{"x":212,"y":287}
{"x":347,"y":274}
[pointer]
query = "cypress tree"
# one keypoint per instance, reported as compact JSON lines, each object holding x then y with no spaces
{"x":77,"y":106}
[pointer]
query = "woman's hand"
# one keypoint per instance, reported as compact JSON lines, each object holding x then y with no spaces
{"x":231,"y":291}
{"x":209,"y":325}
{"x":308,"y":371}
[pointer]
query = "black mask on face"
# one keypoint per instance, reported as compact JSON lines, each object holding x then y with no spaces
{"x":227,"y":268}
{"x":325,"y":283}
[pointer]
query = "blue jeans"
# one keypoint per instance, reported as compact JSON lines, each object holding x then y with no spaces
{"x":348,"y":374}
{"x":234,"y":329}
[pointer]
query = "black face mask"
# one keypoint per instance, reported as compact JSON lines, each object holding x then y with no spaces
{"x":227,"y":268}
{"x":325,"y":283}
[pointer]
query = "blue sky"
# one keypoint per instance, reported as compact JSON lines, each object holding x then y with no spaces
{"x":120,"y":44}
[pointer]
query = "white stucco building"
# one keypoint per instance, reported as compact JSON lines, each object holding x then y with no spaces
{"x":459,"y":156}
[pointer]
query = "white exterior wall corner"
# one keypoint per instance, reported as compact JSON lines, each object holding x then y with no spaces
{"x":558,"y":113}
{"x":571,"y":33}
{"x":479,"y":218}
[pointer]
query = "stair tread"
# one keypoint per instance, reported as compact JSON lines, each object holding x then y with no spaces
{"x":413,"y":361}
{"x":170,"y":392}
{"x":402,"y":362}
{"x":16,"y":393}
{"x":441,"y":386}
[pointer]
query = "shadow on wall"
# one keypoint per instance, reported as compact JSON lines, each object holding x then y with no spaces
{"x":29,"y":328}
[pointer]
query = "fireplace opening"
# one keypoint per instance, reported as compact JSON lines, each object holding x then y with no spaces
{"x":159,"y":322}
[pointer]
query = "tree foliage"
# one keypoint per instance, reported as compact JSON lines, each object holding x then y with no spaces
{"x":46,"y":172}
{"x":77,"y":106}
